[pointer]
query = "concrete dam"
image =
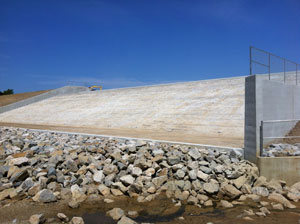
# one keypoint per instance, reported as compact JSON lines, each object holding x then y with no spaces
{"x":205,"y":112}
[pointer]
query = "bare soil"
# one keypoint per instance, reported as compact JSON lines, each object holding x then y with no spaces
{"x":161,"y":210}
{"x":9,"y":99}
{"x":294,"y":132}
{"x":138,"y":133}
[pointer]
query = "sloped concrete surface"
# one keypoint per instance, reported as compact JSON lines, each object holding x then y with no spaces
{"x":56,"y":92}
{"x":212,"y":108}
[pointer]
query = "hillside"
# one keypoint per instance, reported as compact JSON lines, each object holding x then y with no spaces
{"x":9,"y":99}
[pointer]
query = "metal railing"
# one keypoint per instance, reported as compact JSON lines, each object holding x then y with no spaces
{"x":269,"y":132}
{"x":271,"y":64}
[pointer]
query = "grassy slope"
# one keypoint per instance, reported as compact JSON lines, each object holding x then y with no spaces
{"x":9,"y":99}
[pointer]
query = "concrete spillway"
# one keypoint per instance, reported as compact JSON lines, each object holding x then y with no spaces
{"x":190,"y":111}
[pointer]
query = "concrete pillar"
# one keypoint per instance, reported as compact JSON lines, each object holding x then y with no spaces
{"x":253,"y":116}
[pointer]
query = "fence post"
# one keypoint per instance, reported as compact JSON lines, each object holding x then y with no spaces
{"x":261,"y":143}
{"x":269,"y":66}
{"x":250,"y":55}
{"x":284,"y":68}
{"x":296,"y":74}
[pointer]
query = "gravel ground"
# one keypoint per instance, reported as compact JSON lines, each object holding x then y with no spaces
{"x":48,"y":168}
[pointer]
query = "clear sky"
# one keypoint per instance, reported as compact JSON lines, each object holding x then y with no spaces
{"x":47,"y":44}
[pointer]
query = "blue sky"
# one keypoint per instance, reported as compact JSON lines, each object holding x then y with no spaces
{"x":48,"y":44}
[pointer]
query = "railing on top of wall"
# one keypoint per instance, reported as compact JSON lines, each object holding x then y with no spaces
{"x":263,"y":62}
{"x":268,"y":127}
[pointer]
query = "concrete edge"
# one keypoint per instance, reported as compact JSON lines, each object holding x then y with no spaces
{"x":281,"y":168}
{"x":175,"y":83}
{"x":55,"y":92}
{"x":195,"y":81}
{"x":213,"y":147}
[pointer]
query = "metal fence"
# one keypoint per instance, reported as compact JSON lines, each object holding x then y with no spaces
{"x":279,"y":131}
{"x":274,"y":67}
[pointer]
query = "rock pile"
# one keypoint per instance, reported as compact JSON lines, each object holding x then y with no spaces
{"x":282,"y":149}
{"x":48,"y":166}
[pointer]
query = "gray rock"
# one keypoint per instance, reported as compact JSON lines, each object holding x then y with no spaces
{"x":140,"y":143}
{"x":71,"y":165}
{"x":62,"y":217}
{"x":192,"y":200}
{"x":211,"y":188}
{"x":231,"y":191}
{"x":98,"y":176}
{"x":28,"y":183}
{"x":51,"y":172}
{"x":126,"y":220}
{"x":104,"y":190}
{"x":219,"y":169}
{"x":44,"y":196}
{"x":173,"y":160}
{"x":205,"y":169}
{"x":133,"y":214}
{"x":261,"y":191}
{"x":150,"y":172}
{"x":127,"y":180}
{"x":3,"y":170}
{"x":202,"y":176}
{"x":232,"y":174}
{"x":157,"y":152}
{"x":18,"y":161}
{"x":179,"y":174}
{"x":77,"y":220}
{"x":181,"y":195}
{"x":109,"y":169}
{"x":19,"y":175}
{"x":194,"y":153}
{"x":78,"y":196}
{"x":136,"y":171}
{"x":5,"y":193}
{"x":193,"y":174}
{"x":239,"y":182}
{"x":158,"y":181}
{"x":226,"y":204}
{"x":116,"y":213}
{"x":37,"y":219}
{"x":280,"y":199}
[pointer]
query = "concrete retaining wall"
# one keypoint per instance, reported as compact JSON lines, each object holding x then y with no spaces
{"x":280,"y":168}
{"x":268,"y":100}
{"x":279,"y":103}
{"x":56,"y":92}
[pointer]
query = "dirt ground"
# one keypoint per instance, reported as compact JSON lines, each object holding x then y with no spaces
{"x":294,"y":132}
{"x":137,"y":133}
{"x":8,"y":99}
{"x":161,"y":210}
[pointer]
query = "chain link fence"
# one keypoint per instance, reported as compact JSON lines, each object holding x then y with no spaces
{"x":274,"y":67}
